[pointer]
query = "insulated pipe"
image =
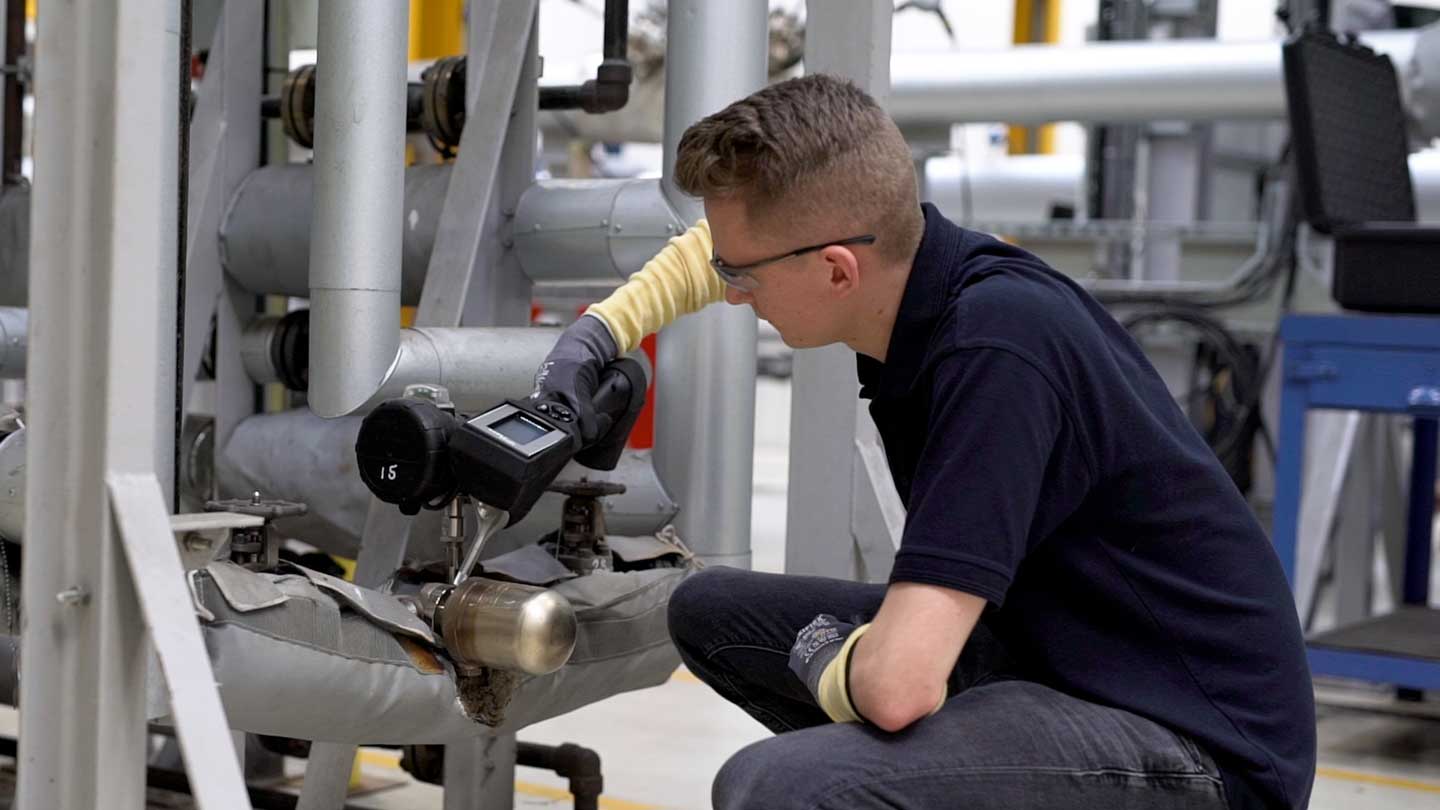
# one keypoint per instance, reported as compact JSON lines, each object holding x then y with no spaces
{"x":1020,"y":188}
{"x":564,"y":232}
{"x":1106,"y":82}
{"x":265,"y":234}
{"x":705,"y":376}
{"x":607,"y":228}
{"x":479,"y":366}
{"x":355,"y":252}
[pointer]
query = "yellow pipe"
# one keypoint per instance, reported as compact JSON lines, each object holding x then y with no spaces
{"x":1046,"y":146}
{"x":437,"y":28}
{"x":1033,"y":140}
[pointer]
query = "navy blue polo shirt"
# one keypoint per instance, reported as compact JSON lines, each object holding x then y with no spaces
{"x":1046,"y":468}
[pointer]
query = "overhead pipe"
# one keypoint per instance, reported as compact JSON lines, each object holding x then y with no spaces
{"x":355,"y":251}
{"x":1103,"y":82}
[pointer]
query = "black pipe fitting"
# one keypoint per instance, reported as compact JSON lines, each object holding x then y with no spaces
{"x":290,"y":350}
{"x":578,"y":764}
{"x":295,"y":106}
{"x":610,"y":89}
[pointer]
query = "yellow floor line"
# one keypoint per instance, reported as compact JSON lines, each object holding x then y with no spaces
{"x":380,"y":759}
{"x":1376,"y":779}
{"x":685,"y":676}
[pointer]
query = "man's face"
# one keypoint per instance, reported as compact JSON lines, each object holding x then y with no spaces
{"x":795,"y":295}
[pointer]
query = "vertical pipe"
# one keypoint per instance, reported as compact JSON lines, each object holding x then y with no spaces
{"x":617,"y":27}
{"x":705,"y":391}
{"x":182,"y":218}
{"x":1421,"y":512}
{"x":359,"y":198}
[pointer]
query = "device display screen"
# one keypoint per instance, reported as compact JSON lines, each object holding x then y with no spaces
{"x":519,"y":428}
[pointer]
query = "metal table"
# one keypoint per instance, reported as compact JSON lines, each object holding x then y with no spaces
{"x":1388,"y":364}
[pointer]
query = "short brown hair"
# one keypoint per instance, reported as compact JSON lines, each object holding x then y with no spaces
{"x":819,"y":140}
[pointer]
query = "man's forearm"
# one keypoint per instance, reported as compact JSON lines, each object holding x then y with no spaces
{"x":678,"y":281}
{"x":898,"y":671}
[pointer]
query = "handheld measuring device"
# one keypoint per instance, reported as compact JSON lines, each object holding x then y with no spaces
{"x":414,"y":454}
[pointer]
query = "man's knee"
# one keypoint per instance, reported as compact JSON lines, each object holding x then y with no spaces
{"x":773,"y":774}
{"x":700,"y":605}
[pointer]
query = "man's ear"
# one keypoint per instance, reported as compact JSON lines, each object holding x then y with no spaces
{"x":844,"y":270}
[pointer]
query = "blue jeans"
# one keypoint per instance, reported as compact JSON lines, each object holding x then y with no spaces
{"x":1000,"y":741}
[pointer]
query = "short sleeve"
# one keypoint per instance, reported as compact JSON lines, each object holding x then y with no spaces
{"x":997,"y":455}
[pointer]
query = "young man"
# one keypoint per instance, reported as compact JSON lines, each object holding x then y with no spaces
{"x":1083,"y":612}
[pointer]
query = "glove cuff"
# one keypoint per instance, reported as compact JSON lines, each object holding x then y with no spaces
{"x":599,"y":338}
{"x":833,"y":694}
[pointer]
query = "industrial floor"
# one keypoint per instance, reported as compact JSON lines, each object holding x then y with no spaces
{"x":661,"y":747}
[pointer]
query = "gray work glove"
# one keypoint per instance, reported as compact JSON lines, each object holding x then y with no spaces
{"x":571,"y":372}
{"x":820,"y":659}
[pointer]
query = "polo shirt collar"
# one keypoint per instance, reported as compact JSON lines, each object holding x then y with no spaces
{"x":925,"y":299}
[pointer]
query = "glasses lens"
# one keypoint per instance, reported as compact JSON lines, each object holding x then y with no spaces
{"x":740,"y":281}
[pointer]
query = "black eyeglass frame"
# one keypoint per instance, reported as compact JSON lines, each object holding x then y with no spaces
{"x":733,"y":272}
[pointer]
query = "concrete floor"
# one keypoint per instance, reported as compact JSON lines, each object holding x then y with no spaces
{"x":662,"y":746}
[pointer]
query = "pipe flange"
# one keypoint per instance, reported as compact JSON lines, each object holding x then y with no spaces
{"x":297,"y":106}
{"x":442,"y":113}
{"x":585,"y":488}
{"x":290,"y":350}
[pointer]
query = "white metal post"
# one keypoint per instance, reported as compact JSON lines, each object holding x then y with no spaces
{"x":102,"y":265}
{"x":705,"y":372}
{"x":842,"y":515}
{"x":83,"y":662}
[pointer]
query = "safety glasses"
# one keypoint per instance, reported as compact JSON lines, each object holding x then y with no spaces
{"x":739,"y":275}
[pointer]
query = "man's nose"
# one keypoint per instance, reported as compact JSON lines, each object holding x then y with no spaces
{"x":737,"y":297}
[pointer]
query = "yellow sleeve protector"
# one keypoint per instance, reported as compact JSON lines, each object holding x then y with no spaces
{"x":678,"y":281}
{"x":833,"y":692}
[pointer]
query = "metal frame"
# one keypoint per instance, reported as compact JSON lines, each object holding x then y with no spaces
{"x":844,"y":518}
{"x":224,"y":148}
{"x":104,"y":235}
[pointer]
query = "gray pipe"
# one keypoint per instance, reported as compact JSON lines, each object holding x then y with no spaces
{"x":705,"y":390}
{"x":265,"y":235}
{"x":14,"y":338}
{"x":605,"y":229}
{"x":1109,"y":82}
{"x":359,"y":185}
{"x":12,"y":486}
{"x":566,"y":231}
{"x":479,"y":366}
